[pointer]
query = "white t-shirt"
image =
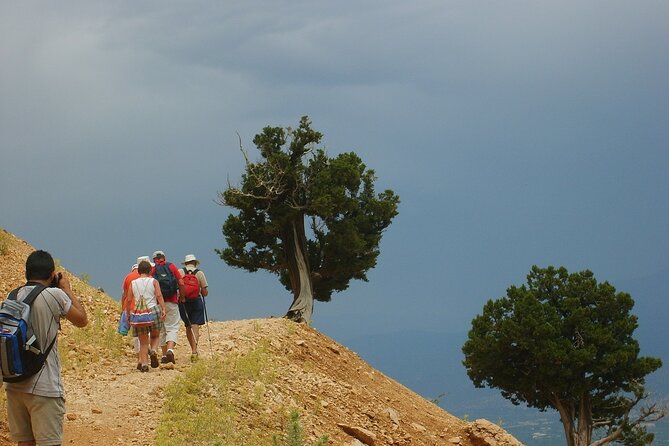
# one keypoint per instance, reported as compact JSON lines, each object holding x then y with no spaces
{"x":48,"y":308}
{"x":143,"y":286}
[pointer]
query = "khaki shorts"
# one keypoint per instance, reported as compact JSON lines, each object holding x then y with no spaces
{"x":171,"y":324}
{"x":35,"y":418}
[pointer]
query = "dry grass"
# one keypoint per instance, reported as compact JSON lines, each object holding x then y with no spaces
{"x":4,"y":243}
{"x":199,"y":410}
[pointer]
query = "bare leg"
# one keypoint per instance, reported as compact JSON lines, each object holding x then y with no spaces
{"x":143,"y":348}
{"x":155,"y":339}
{"x":192,"y":333}
{"x":196,"y":336}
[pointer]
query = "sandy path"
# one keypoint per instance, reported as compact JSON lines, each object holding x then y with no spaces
{"x":119,"y":405}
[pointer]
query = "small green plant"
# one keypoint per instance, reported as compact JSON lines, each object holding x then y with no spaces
{"x":291,"y":327}
{"x":4,"y":243}
{"x":86,"y":278}
{"x":294,"y":435}
{"x":253,"y":364}
{"x":436,"y":400}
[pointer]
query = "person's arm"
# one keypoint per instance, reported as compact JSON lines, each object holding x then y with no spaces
{"x":124,"y":296}
{"x":180,"y":284}
{"x":129,"y":298}
{"x":204,"y":286}
{"x":77,"y":313}
{"x":159,"y":298}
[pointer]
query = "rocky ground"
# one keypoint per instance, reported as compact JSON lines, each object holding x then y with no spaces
{"x":335,"y":391}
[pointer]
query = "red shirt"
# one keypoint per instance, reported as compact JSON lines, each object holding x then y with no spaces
{"x":132,"y":275}
{"x":174,"y":298}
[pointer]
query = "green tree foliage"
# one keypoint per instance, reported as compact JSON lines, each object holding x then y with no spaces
{"x":296,"y":182}
{"x":564,"y":341}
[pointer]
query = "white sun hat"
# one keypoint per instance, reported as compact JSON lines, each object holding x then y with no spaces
{"x":141,"y":259}
{"x":190,"y":258}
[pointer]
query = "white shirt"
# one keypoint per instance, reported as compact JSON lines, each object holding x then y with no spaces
{"x":143,"y":286}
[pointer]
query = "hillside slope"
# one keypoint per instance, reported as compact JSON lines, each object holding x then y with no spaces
{"x":332,"y":388}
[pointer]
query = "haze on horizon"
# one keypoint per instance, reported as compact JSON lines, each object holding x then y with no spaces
{"x":514,"y":133}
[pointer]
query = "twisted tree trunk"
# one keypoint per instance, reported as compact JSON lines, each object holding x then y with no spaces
{"x":579,"y":433}
{"x":295,"y":249}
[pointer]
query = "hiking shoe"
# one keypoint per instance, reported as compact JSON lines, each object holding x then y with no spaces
{"x":164,"y":360}
{"x":144,"y":368}
{"x":154,"y":359}
{"x":139,"y":366}
{"x":170,"y":356}
{"x":194,"y":357}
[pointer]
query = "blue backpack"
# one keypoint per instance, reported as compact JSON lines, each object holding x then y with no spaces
{"x":168,"y":283}
{"x":20,"y":354}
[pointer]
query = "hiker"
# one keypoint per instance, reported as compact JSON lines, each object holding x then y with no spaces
{"x":192,"y":311}
{"x":36,"y":405}
{"x":132,"y":275}
{"x":172,"y":288}
{"x":146,"y":287}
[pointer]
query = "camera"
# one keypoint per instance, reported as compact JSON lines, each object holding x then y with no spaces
{"x":56,"y":279}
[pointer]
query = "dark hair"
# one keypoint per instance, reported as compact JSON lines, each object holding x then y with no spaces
{"x":39,"y":266}
{"x":144,"y":267}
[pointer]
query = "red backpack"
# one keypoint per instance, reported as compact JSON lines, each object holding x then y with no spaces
{"x":191,"y":284}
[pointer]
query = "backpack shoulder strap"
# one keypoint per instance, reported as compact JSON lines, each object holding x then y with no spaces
{"x":12,"y":294}
{"x":31,"y":296}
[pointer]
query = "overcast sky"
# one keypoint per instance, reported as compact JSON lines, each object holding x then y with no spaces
{"x":515,"y":133}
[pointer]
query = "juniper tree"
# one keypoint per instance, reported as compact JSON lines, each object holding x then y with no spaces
{"x":564,"y":341}
{"x":313,"y":220}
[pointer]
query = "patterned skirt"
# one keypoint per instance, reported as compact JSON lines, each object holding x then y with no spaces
{"x":157,"y":324}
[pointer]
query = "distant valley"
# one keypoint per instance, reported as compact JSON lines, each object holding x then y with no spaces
{"x":430,"y":363}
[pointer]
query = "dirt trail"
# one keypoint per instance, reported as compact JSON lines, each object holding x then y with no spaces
{"x":119,"y":405}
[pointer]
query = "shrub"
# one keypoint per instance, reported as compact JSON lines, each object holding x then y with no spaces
{"x":4,"y":243}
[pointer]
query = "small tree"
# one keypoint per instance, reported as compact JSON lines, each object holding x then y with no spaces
{"x":297,"y":181}
{"x":564,"y":341}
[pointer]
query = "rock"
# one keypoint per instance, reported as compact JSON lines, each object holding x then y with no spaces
{"x":96,"y":410}
{"x":418,"y":427}
{"x":71,"y":416}
{"x":484,"y":433}
{"x":394,"y":416}
{"x":365,"y":436}
{"x":455,"y":440}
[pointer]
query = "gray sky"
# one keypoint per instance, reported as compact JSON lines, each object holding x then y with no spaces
{"x":516,"y":133}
